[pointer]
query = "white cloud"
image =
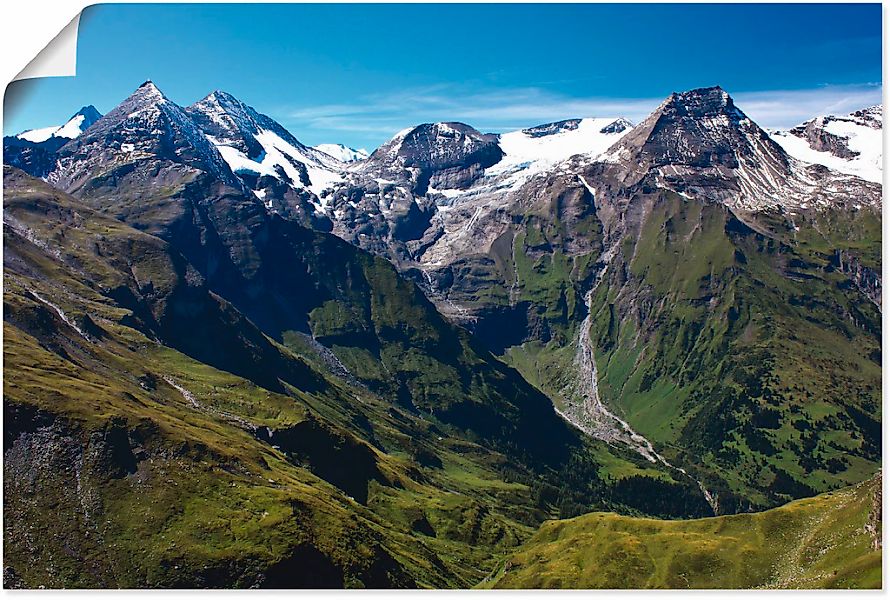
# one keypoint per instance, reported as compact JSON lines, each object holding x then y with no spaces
{"x":781,"y":109}
{"x":374,"y":118}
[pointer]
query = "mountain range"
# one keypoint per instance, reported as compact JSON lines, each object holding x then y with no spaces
{"x":236,"y":360}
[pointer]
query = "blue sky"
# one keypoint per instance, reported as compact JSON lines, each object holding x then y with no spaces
{"x":356,"y":74}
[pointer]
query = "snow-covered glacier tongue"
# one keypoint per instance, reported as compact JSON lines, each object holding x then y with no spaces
{"x":850,"y":144}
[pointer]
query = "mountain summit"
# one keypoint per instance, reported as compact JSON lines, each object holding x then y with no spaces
{"x":441,"y":155}
{"x":145,"y":126}
{"x":700,"y":128}
{"x":73,"y":127}
{"x":698,"y":143}
{"x":263,"y":153}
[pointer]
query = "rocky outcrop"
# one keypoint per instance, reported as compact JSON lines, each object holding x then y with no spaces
{"x":446,"y":155}
{"x":866,"y":280}
{"x":819,"y":139}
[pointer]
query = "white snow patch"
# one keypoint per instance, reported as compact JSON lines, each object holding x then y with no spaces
{"x":343,"y":153}
{"x":537,"y":154}
{"x":279,"y":153}
{"x":71,"y":129}
{"x":865,"y":140}
{"x":38,"y":135}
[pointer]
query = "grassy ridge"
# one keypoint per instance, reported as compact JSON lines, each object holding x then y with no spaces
{"x":822,"y":542}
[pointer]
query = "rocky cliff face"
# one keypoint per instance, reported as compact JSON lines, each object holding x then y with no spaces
{"x":143,"y":129}
{"x":438,"y":155}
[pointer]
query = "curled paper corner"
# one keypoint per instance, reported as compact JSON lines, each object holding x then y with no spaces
{"x":58,"y":58}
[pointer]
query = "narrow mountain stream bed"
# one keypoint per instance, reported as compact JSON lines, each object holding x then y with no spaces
{"x":585,"y":409}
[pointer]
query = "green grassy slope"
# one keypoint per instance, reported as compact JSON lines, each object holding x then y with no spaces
{"x":827,"y":541}
{"x":135,"y":456}
{"x":744,"y":351}
{"x":745,"y":347}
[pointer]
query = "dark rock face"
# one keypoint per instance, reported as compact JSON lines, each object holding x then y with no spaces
{"x":552,"y":128}
{"x":447,"y":154}
{"x":866,"y":280}
{"x":823,"y":141}
{"x":34,"y":158}
{"x":144,"y":128}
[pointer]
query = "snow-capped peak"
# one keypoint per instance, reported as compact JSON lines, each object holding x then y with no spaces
{"x":76,"y":125}
{"x":343,"y":153}
{"x":255,"y":145}
{"x":148,"y":92}
{"x":851,"y":144}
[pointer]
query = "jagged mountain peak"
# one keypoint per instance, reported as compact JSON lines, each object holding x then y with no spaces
{"x":223,"y":102}
{"x":699,"y":143}
{"x":147,"y":92}
{"x":229,"y":122}
{"x":437,"y":145}
{"x":89,"y":113}
{"x":73,"y":127}
{"x":79,"y":122}
{"x":222,"y":96}
{"x":145,"y":126}
{"x":699,"y":128}
{"x":264,"y":155}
